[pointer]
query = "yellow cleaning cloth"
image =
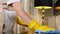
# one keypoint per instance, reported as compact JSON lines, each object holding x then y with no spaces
{"x":36,"y":26}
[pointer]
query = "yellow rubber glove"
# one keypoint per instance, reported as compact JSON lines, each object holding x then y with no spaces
{"x":20,"y":21}
{"x":36,"y":26}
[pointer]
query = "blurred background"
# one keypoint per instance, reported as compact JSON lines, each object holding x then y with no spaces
{"x":51,"y":17}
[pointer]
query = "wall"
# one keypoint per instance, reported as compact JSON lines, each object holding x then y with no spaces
{"x":49,"y":18}
{"x":58,"y":21}
{"x":2,"y":14}
{"x":1,"y":18}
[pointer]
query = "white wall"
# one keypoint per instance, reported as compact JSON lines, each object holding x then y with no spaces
{"x":2,"y":12}
{"x":58,"y":21}
{"x":1,"y":15}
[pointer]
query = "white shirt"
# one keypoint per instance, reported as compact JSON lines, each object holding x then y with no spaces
{"x":9,"y":21}
{"x":10,"y":18}
{"x":10,"y":15}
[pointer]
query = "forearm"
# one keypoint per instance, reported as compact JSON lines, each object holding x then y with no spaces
{"x":19,"y":10}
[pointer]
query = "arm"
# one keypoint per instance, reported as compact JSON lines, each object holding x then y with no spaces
{"x":20,"y":11}
{"x":19,"y":21}
{"x":28,"y":19}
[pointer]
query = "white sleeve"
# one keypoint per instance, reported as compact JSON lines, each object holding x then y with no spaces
{"x":12,"y":1}
{"x":10,"y":20}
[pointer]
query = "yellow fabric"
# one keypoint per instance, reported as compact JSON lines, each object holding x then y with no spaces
{"x":20,"y":21}
{"x":36,"y":26}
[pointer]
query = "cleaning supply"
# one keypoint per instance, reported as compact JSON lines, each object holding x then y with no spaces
{"x":48,"y":32}
{"x":38,"y":32}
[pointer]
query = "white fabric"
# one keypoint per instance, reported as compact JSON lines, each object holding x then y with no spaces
{"x":10,"y":21}
{"x":12,"y":1}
